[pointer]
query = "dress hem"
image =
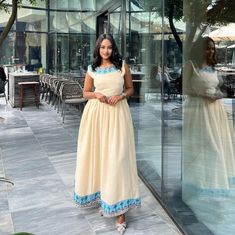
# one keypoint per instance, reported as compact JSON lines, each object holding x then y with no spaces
{"x":119,"y":208}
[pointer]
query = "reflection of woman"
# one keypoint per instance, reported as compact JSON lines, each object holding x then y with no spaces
{"x":106,"y":173}
{"x":158,"y":77}
{"x":208,"y":160}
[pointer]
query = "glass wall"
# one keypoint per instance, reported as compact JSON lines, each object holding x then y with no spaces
{"x":71,"y":36}
{"x":208,"y":168}
{"x":26,"y":43}
{"x":144,"y":56}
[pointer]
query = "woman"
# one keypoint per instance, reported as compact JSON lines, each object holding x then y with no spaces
{"x":106,"y":172}
{"x":208,"y":160}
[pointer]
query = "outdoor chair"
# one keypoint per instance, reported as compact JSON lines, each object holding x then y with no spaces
{"x":71,"y":93}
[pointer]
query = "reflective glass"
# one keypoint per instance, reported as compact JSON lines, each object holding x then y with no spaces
{"x":84,"y":5}
{"x":100,"y":3}
{"x":116,"y":26}
{"x":32,"y":20}
{"x":59,"y":22}
{"x":28,"y":49}
{"x":7,"y":49}
{"x":38,"y":4}
{"x":144,"y":56}
{"x":5,"y":17}
{"x":208,"y":168}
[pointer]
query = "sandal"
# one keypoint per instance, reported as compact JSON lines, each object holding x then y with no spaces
{"x":121,"y":228}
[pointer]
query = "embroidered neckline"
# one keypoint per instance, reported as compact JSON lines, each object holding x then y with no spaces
{"x":104,"y":70}
{"x":207,"y":69}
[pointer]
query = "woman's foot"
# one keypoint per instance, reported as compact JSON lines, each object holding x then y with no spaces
{"x":121,"y":224}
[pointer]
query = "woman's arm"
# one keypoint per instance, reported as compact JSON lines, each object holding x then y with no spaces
{"x":128,"y":84}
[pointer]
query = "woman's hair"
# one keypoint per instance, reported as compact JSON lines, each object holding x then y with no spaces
{"x":198,"y":51}
{"x":115,"y":57}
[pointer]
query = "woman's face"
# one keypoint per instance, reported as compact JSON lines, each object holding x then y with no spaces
{"x":210,"y":50}
{"x":106,"y":49}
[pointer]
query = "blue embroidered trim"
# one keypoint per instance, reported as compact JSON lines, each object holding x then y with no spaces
{"x":120,"y":206}
{"x":205,"y":192}
{"x":103,"y":70}
{"x":85,"y":200}
{"x":114,"y":209}
{"x":207,"y":69}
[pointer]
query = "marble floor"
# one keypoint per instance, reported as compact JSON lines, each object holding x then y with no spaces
{"x":38,"y":153}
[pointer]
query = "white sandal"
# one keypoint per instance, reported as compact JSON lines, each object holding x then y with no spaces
{"x":121,"y":228}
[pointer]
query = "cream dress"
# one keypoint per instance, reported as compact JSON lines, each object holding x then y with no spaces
{"x":208,"y":159}
{"x":106,"y":172}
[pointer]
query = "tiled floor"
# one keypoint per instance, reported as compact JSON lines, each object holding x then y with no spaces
{"x":38,"y":153}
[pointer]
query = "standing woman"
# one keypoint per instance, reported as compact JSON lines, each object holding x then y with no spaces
{"x":106,"y":172}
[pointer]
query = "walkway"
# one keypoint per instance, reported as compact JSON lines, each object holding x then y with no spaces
{"x":38,"y":153}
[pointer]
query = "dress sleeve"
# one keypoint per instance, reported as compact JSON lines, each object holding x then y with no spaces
{"x":90,"y":72}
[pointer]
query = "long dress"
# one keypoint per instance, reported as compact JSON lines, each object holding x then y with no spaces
{"x":208,"y":159}
{"x":106,"y":172}
{"x":208,"y":169}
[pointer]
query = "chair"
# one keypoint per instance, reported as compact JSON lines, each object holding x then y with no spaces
{"x":71,"y":93}
{"x":2,"y":89}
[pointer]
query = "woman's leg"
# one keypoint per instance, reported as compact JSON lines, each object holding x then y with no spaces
{"x":121,"y":223}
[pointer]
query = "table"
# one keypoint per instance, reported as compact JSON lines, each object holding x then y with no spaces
{"x":14,"y":91}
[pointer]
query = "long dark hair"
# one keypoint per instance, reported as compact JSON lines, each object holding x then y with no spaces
{"x":115,"y":57}
{"x":198,"y":51}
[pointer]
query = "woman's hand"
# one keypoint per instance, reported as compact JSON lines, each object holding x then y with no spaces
{"x":112,"y":100}
{"x":102,"y":98}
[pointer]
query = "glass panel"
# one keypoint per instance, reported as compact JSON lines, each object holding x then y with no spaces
{"x":32,"y":20}
{"x":7,"y":49}
{"x":28,"y":49}
{"x":88,"y":22}
{"x":115,"y":25}
{"x":101,"y":3}
{"x":208,"y":157}
{"x":39,"y":3}
{"x":59,"y":53}
{"x":59,"y":5}
{"x":59,"y":22}
{"x":145,"y":60}
{"x":84,"y":5}
{"x":5,"y":17}
{"x":35,"y":53}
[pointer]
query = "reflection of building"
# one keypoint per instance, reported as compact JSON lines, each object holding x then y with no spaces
{"x":61,"y":35}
